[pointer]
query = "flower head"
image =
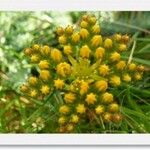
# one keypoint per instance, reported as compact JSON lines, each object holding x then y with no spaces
{"x":45,"y":75}
{"x":85,"y":72}
{"x":99,"y":109}
{"x":84,"y":33}
{"x":85,"y":51}
{"x":45,"y":89}
{"x":69,"y":97}
{"x":99,"y":53}
{"x":101,"y":85}
{"x":91,"y":98}
{"x":104,"y":70}
{"x":64,"y":109}
{"x":80,"y":108}
{"x":44,"y":64}
{"x":108,"y":43}
{"x":115,"y":80}
{"x":107,"y":97}
{"x":56,"y":55}
{"x":59,"y":84}
{"x":96,"y":40}
{"x":63,"y":69}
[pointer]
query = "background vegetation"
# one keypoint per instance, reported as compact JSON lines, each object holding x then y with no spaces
{"x":19,"y":30}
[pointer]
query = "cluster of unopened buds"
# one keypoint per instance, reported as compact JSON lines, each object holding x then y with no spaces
{"x":83,"y":70}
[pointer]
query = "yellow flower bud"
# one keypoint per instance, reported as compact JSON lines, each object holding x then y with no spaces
{"x":60,"y":31}
{"x":115,"y":81}
{"x":101,"y":85}
{"x":36,"y":47}
{"x":62,"y":129}
{"x":74,"y":119}
{"x":44,"y":64}
{"x":69,"y":97}
{"x":96,"y":40}
{"x":126,"y":78}
{"x":56,"y":55}
{"x":96,"y":29}
{"x":99,"y":109}
{"x":67,"y":49}
{"x":125,"y":38}
{"x":80,"y":109}
{"x":107,"y":117}
{"x":92,"y":20}
{"x":116,"y":118}
{"x":85,"y":51}
{"x":138,"y":76}
{"x":108,"y":43}
{"x":115,"y":57}
{"x":75,"y":37}
{"x":62,"y":120}
{"x":107,"y":98}
{"x":63,"y":69}
{"x":62,"y":39}
{"x":64,"y":109}
{"x":113,"y":108}
{"x":33,"y":80}
{"x":24,"y":88}
{"x":99,"y":53}
{"x":121,"y":65}
{"x":117,"y":37}
{"x":33,"y":93}
{"x":69,"y":30}
{"x":45,"y":89}
{"x":84,"y":88}
{"x":140,"y":68}
{"x":45,"y":50}
{"x":28,"y":51}
{"x":69,"y":127}
{"x":45,"y":75}
{"x":104,"y":70}
{"x":35,"y":58}
{"x":85,"y":17}
{"x":132,"y":67}
{"x":84,"y":33}
{"x":122,"y":47}
{"x":91,"y":98}
{"x":59,"y":84}
{"x":83,"y":24}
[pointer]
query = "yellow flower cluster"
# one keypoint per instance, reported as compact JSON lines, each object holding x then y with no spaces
{"x":85,"y":71}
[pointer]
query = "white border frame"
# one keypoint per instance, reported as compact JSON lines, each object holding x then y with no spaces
{"x":71,"y":5}
{"x":75,"y":139}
